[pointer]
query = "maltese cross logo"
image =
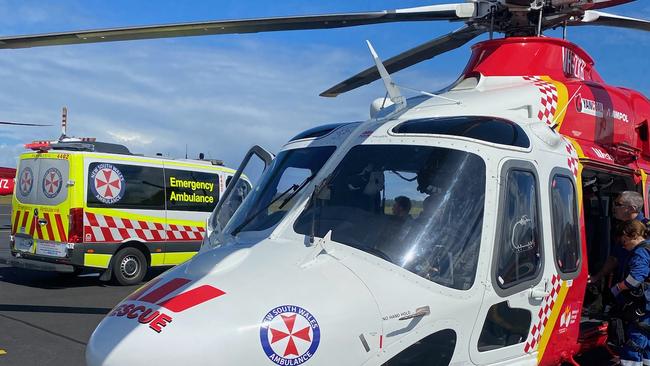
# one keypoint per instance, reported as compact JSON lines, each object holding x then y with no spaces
{"x":289,"y":335}
{"x":26,"y":180}
{"x":107,"y":183}
{"x":52,"y":182}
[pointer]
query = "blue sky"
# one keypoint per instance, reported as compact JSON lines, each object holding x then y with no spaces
{"x":221,"y":94}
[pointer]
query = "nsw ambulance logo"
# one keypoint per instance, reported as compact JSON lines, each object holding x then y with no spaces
{"x":290,"y":335}
{"x":26,"y":181}
{"x":52,"y":182}
{"x":107,"y":183}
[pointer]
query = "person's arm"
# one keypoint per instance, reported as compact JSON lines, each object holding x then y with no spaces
{"x":610,"y":265}
{"x":639,"y":271}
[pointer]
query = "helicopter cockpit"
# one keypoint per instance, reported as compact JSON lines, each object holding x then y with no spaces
{"x":438,"y":239}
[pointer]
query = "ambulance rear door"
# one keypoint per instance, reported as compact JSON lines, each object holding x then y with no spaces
{"x":40,"y":217}
{"x":191,"y":195}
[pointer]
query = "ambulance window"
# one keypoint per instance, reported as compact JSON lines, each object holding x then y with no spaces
{"x":125,"y":186}
{"x":519,"y":255}
{"x":191,"y":190}
{"x":566,"y":239}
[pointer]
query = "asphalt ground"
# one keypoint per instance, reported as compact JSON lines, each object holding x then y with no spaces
{"x":47,"y":318}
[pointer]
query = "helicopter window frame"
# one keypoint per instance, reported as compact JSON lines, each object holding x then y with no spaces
{"x":527,"y":282}
{"x":450,"y":126}
{"x":565,"y":173}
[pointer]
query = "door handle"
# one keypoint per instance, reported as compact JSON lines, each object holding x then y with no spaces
{"x":540,"y":292}
{"x":422,"y":311}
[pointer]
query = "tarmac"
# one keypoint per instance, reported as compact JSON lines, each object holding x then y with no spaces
{"x":47,"y":318}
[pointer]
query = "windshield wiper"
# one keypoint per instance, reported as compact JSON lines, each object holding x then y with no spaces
{"x":295,"y":187}
{"x":298,"y":189}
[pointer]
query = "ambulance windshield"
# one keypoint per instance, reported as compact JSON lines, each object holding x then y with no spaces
{"x":418,"y":207}
{"x":273,"y":196}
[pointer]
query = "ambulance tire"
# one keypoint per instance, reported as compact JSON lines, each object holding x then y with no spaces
{"x":129,"y":266}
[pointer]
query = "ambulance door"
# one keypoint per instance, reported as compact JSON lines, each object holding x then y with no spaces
{"x":513,"y":312}
{"x":41,"y":217}
{"x":53,"y":203}
{"x":124,"y":205}
{"x":191,"y":195}
{"x":24,"y":207}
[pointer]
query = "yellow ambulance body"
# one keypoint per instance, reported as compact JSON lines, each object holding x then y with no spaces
{"x":96,"y":205}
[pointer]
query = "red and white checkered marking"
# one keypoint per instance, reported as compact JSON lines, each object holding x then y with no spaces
{"x":572,"y":160}
{"x":178,"y":232}
{"x":101,"y":228}
{"x":543,"y":314}
{"x":548,"y":100}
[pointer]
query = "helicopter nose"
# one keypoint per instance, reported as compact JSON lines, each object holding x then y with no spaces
{"x":241,"y":308}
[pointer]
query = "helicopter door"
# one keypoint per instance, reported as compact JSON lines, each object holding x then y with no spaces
{"x":519,"y":284}
{"x":255,"y":162}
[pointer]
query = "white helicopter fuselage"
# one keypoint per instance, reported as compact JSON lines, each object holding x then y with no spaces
{"x":272,"y":297}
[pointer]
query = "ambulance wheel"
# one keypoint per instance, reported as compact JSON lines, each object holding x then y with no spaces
{"x":129,"y":266}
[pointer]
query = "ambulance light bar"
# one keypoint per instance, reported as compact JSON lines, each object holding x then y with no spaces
{"x":38,"y":146}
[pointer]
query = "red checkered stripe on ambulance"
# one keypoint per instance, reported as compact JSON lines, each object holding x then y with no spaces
{"x":109,"y":229}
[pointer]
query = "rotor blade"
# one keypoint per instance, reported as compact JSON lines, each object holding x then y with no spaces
{"x":21,"y":124}
{"x":592,"y":17}
{"x":449,"y":12}
{"x":411,"y":57}
{"x":601,"y":4}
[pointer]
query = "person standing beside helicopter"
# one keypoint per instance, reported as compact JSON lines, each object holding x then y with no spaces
{"x":628,"y":205}
{"x":633,"y":295}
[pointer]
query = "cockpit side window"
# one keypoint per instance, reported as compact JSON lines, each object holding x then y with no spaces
{"x":519,"y":255}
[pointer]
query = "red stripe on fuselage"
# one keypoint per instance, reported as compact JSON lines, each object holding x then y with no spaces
{"x":164,"y":290}
{"x":191,"y":298}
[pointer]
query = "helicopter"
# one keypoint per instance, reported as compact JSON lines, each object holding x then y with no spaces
{"x":451,"y":228}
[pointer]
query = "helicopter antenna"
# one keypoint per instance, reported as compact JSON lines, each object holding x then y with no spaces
{"x":555,"y":123}
{"x":429,"y":94}
{"x":64,"y":122}
{"x":564,"y":30}
{"x":392,"y":89}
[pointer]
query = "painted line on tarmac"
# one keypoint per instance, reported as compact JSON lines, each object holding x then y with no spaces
{"x":44,"y":329}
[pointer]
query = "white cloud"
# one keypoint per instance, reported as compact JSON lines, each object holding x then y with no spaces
{"x":160,"y":96}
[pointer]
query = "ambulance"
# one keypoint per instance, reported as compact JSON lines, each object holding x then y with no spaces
{"x":86,"y":204}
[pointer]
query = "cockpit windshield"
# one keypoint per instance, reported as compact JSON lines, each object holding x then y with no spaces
{"x":267,"y":204}
{"x":418,"y":207}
